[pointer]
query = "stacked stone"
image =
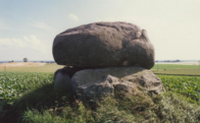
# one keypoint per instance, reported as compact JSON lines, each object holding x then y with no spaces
{"x":105,"y":57}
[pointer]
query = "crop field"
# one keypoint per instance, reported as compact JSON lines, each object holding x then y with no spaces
{"x":176,"y":69}
{"x":184,"y":85}
{"x":47,"y":68}
{"x":12,"y":85}
{"x":174,"y":66}
{"x":29,"y":97}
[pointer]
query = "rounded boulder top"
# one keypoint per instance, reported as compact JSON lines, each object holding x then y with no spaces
{"x":104,"y":44}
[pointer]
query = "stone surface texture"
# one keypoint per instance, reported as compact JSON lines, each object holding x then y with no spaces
{"x":104,"y":44}
{"x":95,"y":84}
{"x":62,"y":80}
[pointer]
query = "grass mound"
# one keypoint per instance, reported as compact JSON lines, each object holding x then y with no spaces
{"x":44,"y":105}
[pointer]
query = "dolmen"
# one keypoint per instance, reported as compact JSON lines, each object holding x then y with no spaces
{"x":105,"y":58}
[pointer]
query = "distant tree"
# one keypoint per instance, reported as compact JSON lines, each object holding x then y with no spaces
{"x":25,"y":60}
{"x":12,"y":61}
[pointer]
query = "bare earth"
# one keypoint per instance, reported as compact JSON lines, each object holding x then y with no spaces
{"x":21,"y":64}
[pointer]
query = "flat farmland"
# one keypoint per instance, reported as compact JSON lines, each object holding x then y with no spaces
{"x":174,"y":66}
{"x":45,"y":68}
{"x":27,"y":95}
{"x":179,"y":69}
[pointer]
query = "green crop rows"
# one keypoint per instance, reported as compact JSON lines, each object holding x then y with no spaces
{"x":188,"y":86}
{"x":29,"y":97}
{"x":12,"y":85}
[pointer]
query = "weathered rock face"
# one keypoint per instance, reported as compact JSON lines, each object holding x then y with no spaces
{"x":70,"y":71}
{"x":63,"y":76}
{"x":62,"y":82}
{"x":98,"y":83}
{"x":104,"y":44}
{"x":62,"y":79}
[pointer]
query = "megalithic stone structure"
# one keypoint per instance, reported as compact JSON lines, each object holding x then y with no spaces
{"x":104,"y":44}
{"x":104,"y":58}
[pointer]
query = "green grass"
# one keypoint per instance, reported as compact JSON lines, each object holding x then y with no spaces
{"x":47,"y":68}
{"x":13,"y":85}
{"x":173,"y":66}
{"x":29,"y":97}
{"x":184,"y":85}
{"x":176,"y":69}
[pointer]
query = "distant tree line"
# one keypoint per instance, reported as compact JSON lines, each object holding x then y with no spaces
{"x":26,"y":60}
{"x":169,"y":61}
{"x":172,"y":61}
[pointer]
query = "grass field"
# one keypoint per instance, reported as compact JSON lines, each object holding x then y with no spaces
{"x":174,"y":66}
{"x":27,"y":95}
{"x":179,"y":71}
{"x":176,"y":69}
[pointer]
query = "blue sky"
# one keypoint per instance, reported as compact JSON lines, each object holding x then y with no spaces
{"x":28,"y":27}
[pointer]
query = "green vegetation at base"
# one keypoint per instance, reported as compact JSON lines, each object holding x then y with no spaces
{"x":29,"y":97}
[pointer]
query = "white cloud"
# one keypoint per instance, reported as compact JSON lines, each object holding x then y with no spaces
{"x":73,"y":17}
{"x":6,"y":41}
{"x":32,"y":39}
{"x":36,"y":44}
{"x":43,"y":26}
{"x":27,"y":42}
{"x":19,"y":42}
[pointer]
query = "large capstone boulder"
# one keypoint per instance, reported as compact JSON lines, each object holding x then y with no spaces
{"x":104,"y":44}
{"x":95,"y":84}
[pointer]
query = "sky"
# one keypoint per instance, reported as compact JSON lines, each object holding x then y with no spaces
{"x":28,"y":27}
